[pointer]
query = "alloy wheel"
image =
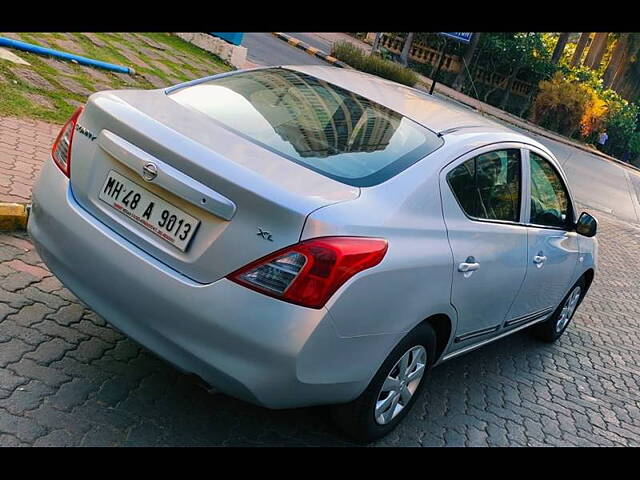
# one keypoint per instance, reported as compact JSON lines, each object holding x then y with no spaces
{"x":400,"y":385}
{"x":568,"y":309}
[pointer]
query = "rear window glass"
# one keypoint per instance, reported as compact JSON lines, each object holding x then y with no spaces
{"x":314,"y":123}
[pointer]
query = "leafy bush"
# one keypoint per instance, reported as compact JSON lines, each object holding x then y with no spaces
{"x":593,"y":116}
{"x":584,"y":75}
{"x":610,"y":113}
{"x":634,"y":145}
{"x":568,"y":106}
{"x":620,"y":125}
{"x":358,"y":59}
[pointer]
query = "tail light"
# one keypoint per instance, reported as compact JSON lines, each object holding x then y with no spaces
{"x":61,"y":151}
{"x":309,"y":272}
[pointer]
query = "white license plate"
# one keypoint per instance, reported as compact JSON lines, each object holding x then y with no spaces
{"x":149,"y":210}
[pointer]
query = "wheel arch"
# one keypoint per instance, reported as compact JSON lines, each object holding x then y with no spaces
{"x":588,"y":278}
{"x":442,"y":327}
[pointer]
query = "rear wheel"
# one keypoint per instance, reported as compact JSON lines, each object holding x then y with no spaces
{"x":392,"y":391}
{"x":553,"y":328}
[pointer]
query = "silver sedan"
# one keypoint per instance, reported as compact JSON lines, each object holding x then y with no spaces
{"x":300,"y":236}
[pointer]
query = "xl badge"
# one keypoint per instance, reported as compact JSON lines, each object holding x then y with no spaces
{"x":265,"y":235}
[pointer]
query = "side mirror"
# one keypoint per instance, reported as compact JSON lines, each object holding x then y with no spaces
{"x":586,"y":225}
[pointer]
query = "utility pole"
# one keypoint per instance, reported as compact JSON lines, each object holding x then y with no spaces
{"x":440,"y":62}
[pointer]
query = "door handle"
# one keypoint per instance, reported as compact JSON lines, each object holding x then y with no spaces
{"x":539,"y":259}
{"x":468,"y":267}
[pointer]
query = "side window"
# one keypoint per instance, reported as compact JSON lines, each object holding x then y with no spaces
{"x":549,"y":198}
{"x":488,"y":186}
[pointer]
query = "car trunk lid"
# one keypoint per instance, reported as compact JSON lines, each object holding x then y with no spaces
{"x":249,"y":201}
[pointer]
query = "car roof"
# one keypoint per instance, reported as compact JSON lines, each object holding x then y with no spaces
{"x":439,"y":115}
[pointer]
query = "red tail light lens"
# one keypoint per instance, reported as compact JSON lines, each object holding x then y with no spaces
{"x":309,"y":272}
{"x":61,"y":151}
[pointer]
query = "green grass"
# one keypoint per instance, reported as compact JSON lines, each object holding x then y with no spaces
{"x":174,"y":42}
{"x":373,"y":64}
{"x":13,"y":99}
{"x":14,"y":104}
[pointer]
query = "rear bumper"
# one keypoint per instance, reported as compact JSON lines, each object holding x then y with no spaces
{"x":245,"y":344}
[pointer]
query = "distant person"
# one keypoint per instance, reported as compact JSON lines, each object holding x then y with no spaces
{"x":602,"y":139}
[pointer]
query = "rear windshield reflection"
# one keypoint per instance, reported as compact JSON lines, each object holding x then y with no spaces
{"x":313,"y":123}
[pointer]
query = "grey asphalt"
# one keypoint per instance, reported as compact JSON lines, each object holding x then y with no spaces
{"x":266,"y":49}
{"x":598,"y":184}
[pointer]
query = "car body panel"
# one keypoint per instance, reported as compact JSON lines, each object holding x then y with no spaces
{"x":416,"y":270}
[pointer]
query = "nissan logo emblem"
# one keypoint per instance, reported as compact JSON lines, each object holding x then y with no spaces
{"x":149,"y":171}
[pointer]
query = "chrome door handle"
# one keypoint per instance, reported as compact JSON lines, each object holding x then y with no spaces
{"x":539,"y":260}
{"x":468,"y":267}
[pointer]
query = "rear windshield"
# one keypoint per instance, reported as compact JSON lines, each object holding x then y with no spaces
{"x":311,"y":122}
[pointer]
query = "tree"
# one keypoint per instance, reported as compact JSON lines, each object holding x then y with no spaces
{"x":404,"y":56}
{"x":516,"y":53}
{"x":627,"y":77}
{"x":616,"y":60}
{"x":376,"y":42}
{"x":596,"y":50}
{"x":582,"y":43}
{"x":466,"y":60}
{"x":511,"y":80}
{"x":510,"y":54}
{"x":560,"y":46}
{"x":629,"y":86}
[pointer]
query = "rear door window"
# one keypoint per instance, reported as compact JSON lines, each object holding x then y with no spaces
{"x":316,"y":124}
{"x":488,"y":186}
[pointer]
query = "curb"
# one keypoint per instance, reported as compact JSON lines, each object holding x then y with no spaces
{"x":313,"y":51}
{"x":13,"y":216}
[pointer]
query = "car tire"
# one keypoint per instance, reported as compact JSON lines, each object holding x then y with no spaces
{"x":358,"y":418}
{"x":552,"y":329}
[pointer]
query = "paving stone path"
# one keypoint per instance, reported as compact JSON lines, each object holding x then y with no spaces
{"x":24,"y":145}
{"x":68,"y":378}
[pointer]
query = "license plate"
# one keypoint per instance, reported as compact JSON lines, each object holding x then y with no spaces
{"x":149,"y":210}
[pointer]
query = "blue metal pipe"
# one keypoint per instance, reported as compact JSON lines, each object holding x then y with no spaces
{"x":28,"y":47}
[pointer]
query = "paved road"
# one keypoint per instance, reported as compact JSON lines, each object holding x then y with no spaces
{"x":266,"y":49}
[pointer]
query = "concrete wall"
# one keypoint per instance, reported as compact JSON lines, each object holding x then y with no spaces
{"x":233,"y":54}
